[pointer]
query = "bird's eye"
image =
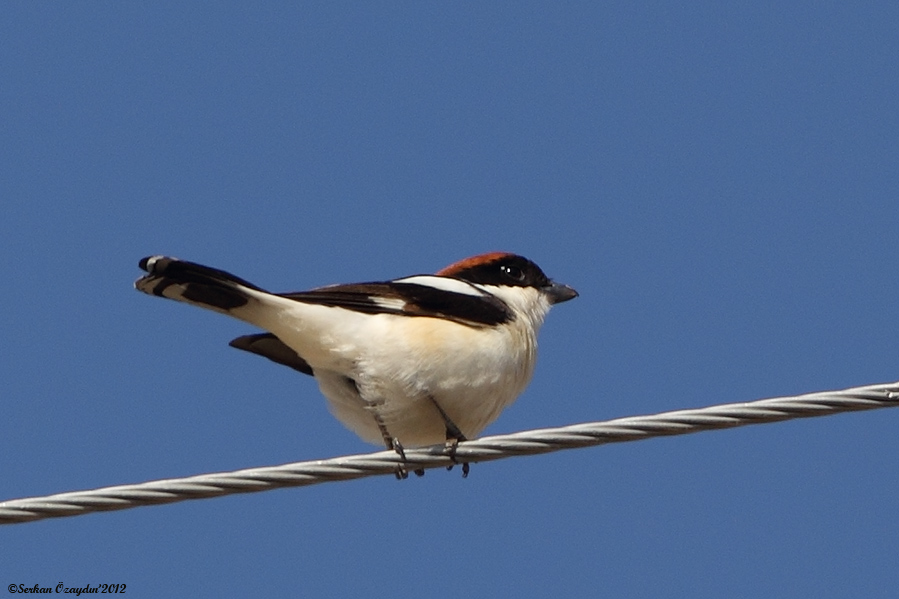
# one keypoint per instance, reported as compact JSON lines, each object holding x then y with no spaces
{"x":513,"y":272}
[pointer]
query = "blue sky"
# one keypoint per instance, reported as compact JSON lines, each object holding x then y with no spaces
{"x":719,"y":182}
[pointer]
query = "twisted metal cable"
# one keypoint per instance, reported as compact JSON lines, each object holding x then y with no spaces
{"x":523,"y":443}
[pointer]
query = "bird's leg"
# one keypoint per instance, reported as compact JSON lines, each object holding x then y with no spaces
{"x":394,"y":444}
{"x":391,"y":442}
{"x":453,"y":437}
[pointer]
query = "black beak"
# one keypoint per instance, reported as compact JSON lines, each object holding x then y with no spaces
{"x":558,"y":293}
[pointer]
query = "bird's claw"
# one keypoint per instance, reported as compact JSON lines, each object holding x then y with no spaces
{"x":401,"y":472}
{"x":450,"y":450}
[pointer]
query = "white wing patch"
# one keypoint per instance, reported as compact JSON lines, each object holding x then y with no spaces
{"x":444,"y":284}
{"x":389,"y":303}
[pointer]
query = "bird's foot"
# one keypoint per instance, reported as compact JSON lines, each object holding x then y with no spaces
{"x":401,"y":472}
{"x":450,"y":449}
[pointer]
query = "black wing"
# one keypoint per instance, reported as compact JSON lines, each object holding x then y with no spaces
{"x":476,"y":308}
{"x":269,"y":346}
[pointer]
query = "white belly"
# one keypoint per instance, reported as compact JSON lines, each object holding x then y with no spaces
{"x":402,"y":365}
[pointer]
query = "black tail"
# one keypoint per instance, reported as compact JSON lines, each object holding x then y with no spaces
{"x":193,"y":283}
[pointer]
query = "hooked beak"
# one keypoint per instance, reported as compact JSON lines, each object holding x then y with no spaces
{"x":558,"y":293}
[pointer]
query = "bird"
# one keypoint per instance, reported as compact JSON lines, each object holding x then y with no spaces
{"x":417,"y":361}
